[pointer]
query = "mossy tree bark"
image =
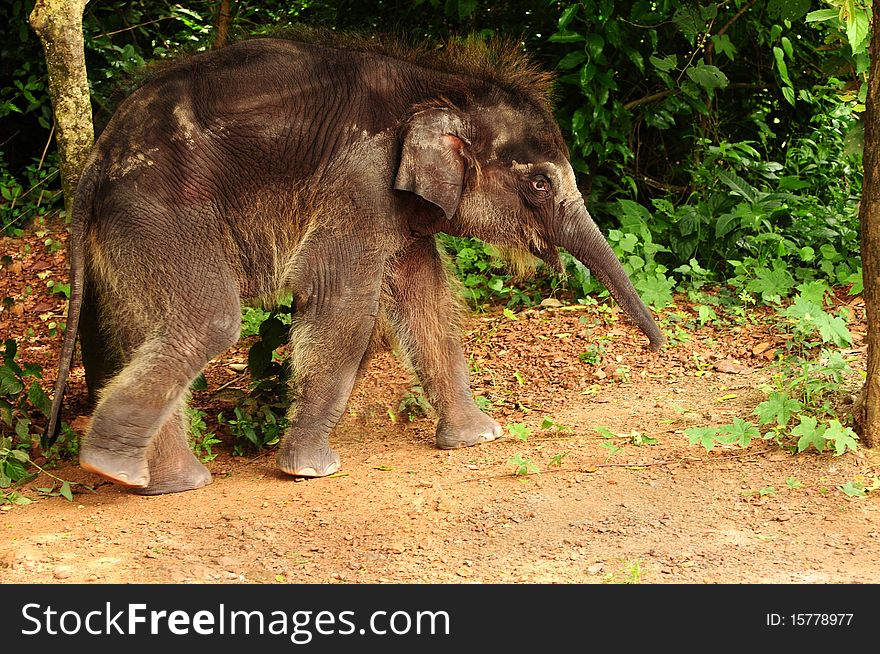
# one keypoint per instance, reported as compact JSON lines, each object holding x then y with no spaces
{"x":868,"y":411}
{"x":58,"y":24}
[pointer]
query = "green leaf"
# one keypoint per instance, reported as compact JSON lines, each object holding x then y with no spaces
{"x":773,"y":284}
{"x":20,"y":455}
{"x":808,"y":433}
{"x":519,"y":431}
{"x":788,"y":94}
{"x":822,"y":15}
{"x":65,"y":491}
{"x":566,"y":36}
{"x":739,"y":186}
{"x":778,"y":407}
{"x":741,"y":431}
{"x":857,"y":28}
{"x":199,"y":383}
{"x":790,"y":10}
{"x":814,"y":292}
{"x":793,"y":483}
{"x":667,"y":63}
{"x":656,"y":290}
{"x":705,"y":436}
{"x":810,"y":318}
{"x":709,"y":77}
{"x":39,"y":399}
{"x":780,"y":64}
{"x":724,"y":45}
{"x":523,"y":466}
{"x":853,"y":489}
{"x":10,"y":384}
{"x":725,"y":224}
{"x":567,"y":16}
{"x":604,"y":432}
{"x":572,"y":60}
{"x":842,"y":438}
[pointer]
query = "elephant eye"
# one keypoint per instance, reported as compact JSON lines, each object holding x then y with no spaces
{"x":540,"y":184}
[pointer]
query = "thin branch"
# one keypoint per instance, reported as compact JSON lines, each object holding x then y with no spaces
{"x":653,"y":97}
{"x":133,"y":27}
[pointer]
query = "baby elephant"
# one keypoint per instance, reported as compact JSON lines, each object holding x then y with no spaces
{"x":321,"y":169}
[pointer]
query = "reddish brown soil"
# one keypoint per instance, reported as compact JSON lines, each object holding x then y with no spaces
{"x":402,"y":511}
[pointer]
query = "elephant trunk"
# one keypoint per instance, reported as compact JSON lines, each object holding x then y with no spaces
{"x":582,"y":238}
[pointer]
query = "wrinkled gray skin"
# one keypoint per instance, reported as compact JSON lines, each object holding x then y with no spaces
{"x":275,"y":165}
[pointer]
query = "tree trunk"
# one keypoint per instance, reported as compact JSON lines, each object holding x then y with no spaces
{"x":868,"y":412}
{"x":223,"y":19}
{"x":58,"y":24}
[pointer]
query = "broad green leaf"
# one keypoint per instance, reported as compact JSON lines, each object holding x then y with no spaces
{"x":568,"y":15}
{"x":823,"y":15}
{"x":853,"y":489}
{"x":724,"y":45}
{"x":773,"y":284}
{"x":572,"y":60}
{"x":725,"y":224}
{"x":741,"y":431}
{"x":814,"y":291}
{"x":39,"y":399}
{"x":788,"y":94}
{"x":857,"y":28}
{"x":808,"y":432}
{"x":519,"y":431}
{"x":790,"y":10}
{"x":656,"y":290}
{"x":705,"y":436}
{"x":23,"y":431}
{"x":65,"y":491}
{"x":709,"y":77}
{"x":10,"y":384}
{"x":667,"y":63}
{"x":778,"y":408}
{"x":842,"y":438}
{"x":739,"y":186}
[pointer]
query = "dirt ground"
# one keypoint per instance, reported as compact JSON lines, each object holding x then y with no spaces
{"x":402,"y":511}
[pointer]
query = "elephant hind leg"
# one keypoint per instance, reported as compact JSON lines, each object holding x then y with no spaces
{"x":172,"y":465}
{"x":141,"y":402}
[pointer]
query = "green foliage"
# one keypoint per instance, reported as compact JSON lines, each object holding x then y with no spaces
{"x":414,"y":404}
{"x":522,"y":467}
{"x":484,"y":275}
{"x":20,"y":397}
{"x":201,"y":440}
{"x":798,"y":413}
{"x":519,"y":431}
{"x":256,"y":425}
{"x":694,"y":180}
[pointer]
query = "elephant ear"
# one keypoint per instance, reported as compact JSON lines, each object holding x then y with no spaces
{"x":432,"y":162}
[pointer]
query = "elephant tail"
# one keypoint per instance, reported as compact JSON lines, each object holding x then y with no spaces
{"x":82,"y":208}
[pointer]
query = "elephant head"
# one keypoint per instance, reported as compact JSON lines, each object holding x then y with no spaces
{"x":500,"y":171}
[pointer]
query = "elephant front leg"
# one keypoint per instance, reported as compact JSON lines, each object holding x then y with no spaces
{"x":423,"y":313}
{"x":329,"y":340}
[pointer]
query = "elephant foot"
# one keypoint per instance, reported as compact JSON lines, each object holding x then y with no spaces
{"x":475,"y":429}
{"x":124,"y":470}
{"x":317,"y":461}
{"x":183,"y":475}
